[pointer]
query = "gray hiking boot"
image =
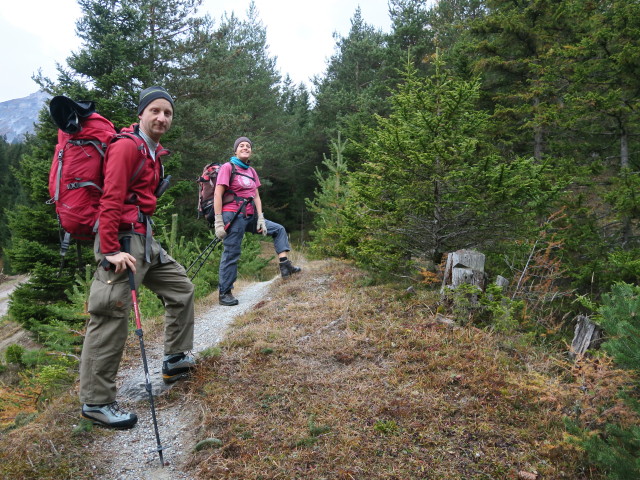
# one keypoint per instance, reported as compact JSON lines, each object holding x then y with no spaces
{"x":227,"y":299}
{"x":109,"y":415}
{"x":287,"y":268}
{"x":177,"y":366}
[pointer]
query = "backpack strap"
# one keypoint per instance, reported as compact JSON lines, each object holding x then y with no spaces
{"x":142,"y":150}
{"x":99,"y":146}
{"x":237,"y":198}
{"x":233,"y":196}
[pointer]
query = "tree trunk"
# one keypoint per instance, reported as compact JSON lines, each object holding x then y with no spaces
{"x":538,"y":136}
{"x":624,"y":150}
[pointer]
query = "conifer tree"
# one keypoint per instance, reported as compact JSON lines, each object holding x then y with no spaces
{"x":432,"y":181}
{"x":10,"y":191}
{"x":602,"y":65}
{"x":513,"y":43}
{"x":613,"y":447}
{"x":356,"y":82}
{"x":328,"y":200}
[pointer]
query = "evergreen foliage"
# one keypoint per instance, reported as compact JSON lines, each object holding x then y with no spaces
{"x":328,"y":201}
{"x":619,"y":316}
{"x":602,"y":63}
{"x":356,"y":82}
{"x":432,"y":182}
{"x":616,"y":452}
{"x":10,"y":191}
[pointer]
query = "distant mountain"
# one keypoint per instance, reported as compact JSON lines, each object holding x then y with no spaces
{"x":18,"y":116}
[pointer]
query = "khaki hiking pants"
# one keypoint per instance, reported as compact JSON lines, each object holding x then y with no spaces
{"x":110,"y":305}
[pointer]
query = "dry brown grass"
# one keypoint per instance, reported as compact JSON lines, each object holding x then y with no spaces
{"x":333,"y":380}
{"x":48,"y":447}
{"x":329,"y":379}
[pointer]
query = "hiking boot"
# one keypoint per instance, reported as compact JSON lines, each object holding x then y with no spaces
{"x":109,"y":415}
{"x":287,"y":268}
{"x":176,"y":367}
{"x":227,"y":299}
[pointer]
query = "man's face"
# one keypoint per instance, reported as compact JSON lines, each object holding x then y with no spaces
{"x":243,"y":152}
{"x":156,"y":119}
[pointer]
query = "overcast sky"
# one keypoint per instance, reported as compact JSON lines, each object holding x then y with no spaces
{"x":35,"y":34}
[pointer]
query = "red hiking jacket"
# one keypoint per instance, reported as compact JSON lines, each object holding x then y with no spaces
{"x":123,"y":199}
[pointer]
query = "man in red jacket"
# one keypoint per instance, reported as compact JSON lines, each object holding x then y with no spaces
{"x":133,"y":176}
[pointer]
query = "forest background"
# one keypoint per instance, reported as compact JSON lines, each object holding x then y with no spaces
{"x":510,"y":127}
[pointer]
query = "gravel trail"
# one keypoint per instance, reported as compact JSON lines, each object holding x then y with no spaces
{"x":132,"y":454}
{"x":6,"y":289}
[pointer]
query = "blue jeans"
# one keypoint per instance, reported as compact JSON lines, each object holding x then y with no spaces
{"x":228,"y":272}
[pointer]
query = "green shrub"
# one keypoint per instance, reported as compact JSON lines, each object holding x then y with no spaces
{"x":52,"y":379}
{"x":504,"y":314}
{"x":615,"y":450}
{"x":619,"y":316}
{"x":463,"y":302}
{"x":35,"y":358}
{"x":14,"y":354}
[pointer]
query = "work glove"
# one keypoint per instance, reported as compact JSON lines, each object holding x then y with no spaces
{"x":262,"y":225}
{"x":219,"y":227}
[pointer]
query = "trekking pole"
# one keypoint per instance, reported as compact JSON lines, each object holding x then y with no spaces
{"x":212,"y":245}
{"x":209,"y":248}
{"x":126,"y":247}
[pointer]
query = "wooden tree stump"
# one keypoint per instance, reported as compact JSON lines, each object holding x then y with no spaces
{"x":464,"y":266}
{"x":587,"y":334}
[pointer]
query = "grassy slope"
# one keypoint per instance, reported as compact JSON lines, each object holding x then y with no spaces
{"x":330,"y":379}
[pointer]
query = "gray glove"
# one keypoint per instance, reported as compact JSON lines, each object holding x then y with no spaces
{"x":219,"y":226}
{"x":262,"y":225}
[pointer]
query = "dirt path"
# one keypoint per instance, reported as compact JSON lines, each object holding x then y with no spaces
{"x":10,"y":332}
{"x":6,"y":288}
{"x":132,"y":454}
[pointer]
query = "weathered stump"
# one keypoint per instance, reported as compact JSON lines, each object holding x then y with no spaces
{"x":587,"y":334}
{"x":464,"y":266}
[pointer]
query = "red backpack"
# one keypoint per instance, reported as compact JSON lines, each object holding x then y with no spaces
{"x":207,"y":187}
{"x":76,"y":176}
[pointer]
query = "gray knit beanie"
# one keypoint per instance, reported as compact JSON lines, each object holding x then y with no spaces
{"x":150,"y":94}
{"x":240,"y":140}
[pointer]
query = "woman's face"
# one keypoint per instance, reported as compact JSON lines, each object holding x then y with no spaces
{"x":243,"y":152}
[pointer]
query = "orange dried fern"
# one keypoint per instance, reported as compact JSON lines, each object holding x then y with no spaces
{"x":597,"y":388}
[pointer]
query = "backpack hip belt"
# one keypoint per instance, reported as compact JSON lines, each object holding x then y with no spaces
{"x":147,"y":221}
